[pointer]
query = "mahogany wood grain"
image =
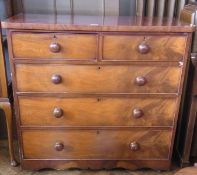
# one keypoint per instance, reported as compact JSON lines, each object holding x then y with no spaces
{"x":96,"y":87}
{"x":96,"y":144}
{"x":95,"y":164}
{"x":53,"y":22}
{"x":125,"y":47}
{"x":38,"y":111}
{"x":37,"y":45}
{"x":97,"y":79}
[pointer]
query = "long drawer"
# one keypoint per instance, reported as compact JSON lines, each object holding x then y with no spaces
{"x":97,"y":79}
{"x":96,"y":144}
{"x":49,"y":111}
{"x":54,"y":45}
{"x":143,"y":48}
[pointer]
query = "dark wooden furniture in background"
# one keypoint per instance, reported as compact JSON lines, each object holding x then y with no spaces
{"x":97,"y":91}
{"x":5,"y":103}
{"x":187,"y":127}
{"x":9,"y":7}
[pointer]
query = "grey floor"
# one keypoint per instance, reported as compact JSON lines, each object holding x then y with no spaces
{"x":6,"y":169}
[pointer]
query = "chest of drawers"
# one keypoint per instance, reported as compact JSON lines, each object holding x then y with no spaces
{"x":102,"y":95}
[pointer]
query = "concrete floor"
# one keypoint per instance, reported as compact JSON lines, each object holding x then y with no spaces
{"x":6,"y":169}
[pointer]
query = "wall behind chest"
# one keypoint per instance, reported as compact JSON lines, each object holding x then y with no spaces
{"x":112,"y":7}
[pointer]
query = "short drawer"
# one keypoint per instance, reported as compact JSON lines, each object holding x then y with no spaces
{"x":96,"y":144}
{"x":143,"y":48}
{"x":97,"y":79}
{"x":54,"y":45}
{"x":48,"y":111}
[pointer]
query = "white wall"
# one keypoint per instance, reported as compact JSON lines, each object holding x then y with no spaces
{"x":2,"y":9}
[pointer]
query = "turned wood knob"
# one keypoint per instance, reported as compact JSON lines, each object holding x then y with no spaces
{"x":59,"y":146}
{"x":134,"y":146}
{"x":54,"y":47}
{"x":58,"y":112}
{"x":140,"y":81}
{"x":137,"y":113}
{"x":56,"y":79}
{"x":143,"y":48}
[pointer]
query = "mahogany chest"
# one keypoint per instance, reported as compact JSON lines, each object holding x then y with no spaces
{"x":97,"y":92}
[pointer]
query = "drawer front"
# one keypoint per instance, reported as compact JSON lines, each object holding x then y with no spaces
{"x":38,"y":111}
{"x":143,"y":48}
{"x":96,"y":144}
{"x":94,"y":79}
{"x":66,"y":46}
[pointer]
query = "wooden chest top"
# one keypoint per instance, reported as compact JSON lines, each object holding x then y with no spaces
{"x":95,"y":23}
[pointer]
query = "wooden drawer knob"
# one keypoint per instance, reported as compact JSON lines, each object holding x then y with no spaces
{"x":143,"y":48}
{"x":140,"y":81}
{"x":58,"y":112}
{"x":137,"y":113}
{"x":134,"y":146}
{"x":56,"y":79}
{"x":54,"y":47}
{"x":59,"y":146}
